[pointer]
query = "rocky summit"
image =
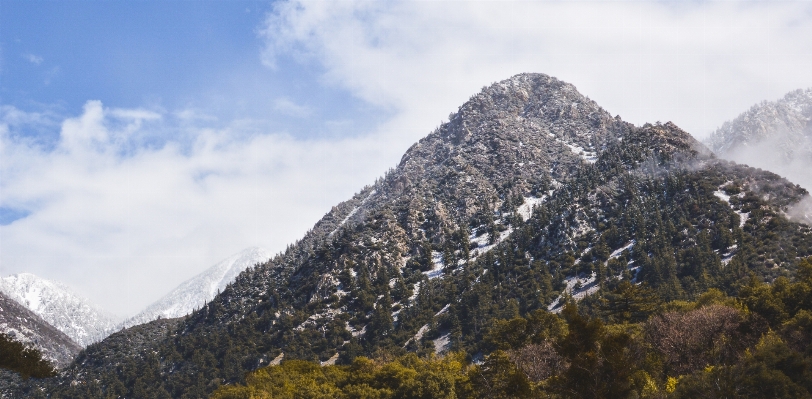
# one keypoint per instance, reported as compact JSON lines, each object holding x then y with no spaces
{"x":529,"y":197}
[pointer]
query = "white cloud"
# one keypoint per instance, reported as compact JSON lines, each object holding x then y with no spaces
{"x":34,"y":59}
{"x":290,"y":108}
{"x":125,"y":229}
{"x":694,"y":63}
{"x":134,"y":114}
{"x":191,"y":115}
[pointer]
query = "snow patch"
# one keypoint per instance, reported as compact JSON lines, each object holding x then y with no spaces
{"x":616,"y":253}
{"x":312,"y":321}
{"x":422,"y":331}
{"x":437,"y":268}
{"x":482,"y":242}
{"x":726,"y":198}
{"x":578,"y":288}
{"x":356,"y":333}
{"x":728,"y":256}
{"x":443,"y":310}
{"x":722,"y":195}
{"x":525,"y":210}
{"x":352,"y":212}
{"x":442,"y":344}
{"x":415,"y":291}
{"x":743,"y":217}
{"x":588,"y":156}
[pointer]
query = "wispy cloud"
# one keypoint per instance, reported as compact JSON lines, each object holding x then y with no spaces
{"x":290,"y":108}
{"x":34,"y":59}
{"x":51,"y":74}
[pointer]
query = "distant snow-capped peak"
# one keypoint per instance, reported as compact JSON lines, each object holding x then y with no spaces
{"x":55,"y":303}
{"x":200,"y":289}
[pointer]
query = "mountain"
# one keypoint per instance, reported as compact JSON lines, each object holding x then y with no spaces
{"x":531,"y":193}
{"x":199,"y":290}
{"x":55,"y":303}
{"x":773,"y":135}
{"x":24,"y":326}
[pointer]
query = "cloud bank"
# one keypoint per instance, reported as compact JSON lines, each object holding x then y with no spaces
{"x":694,"y":63}
{"x":124,"y":214}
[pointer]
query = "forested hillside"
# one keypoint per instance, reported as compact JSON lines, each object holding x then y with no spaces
{"x":629,"y":344}
{"x":531,"y":201}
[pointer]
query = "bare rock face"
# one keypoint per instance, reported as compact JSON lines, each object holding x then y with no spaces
{"x":526,"y":131}
{"x":24,"y":326}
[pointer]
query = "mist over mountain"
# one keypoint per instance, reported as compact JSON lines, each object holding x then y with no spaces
{"x":775,"y":136}
{"x":58,"y":305}
{"x":530,"y":196}
{"x":197,"y":291}
{"x":772,"y":135}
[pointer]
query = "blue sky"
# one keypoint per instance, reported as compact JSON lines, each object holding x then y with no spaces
{"x":163,"y":55}
{"x":143,"y":141}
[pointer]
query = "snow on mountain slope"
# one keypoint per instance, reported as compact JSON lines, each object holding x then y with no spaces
{"x":200,"y":289}
{"x":785,"y":121}
{"x":772,"y":135}
{"x":23,"y":325}
{"x":55,"y":303}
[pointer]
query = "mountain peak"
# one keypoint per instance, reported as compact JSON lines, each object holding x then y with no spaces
{"x":57,"y":304}
{"x":772,"y":135}
{"x":529,"y":194}
{"x":531,"y":130}
{"x":787,"y":121}
{"x":200,"y":289}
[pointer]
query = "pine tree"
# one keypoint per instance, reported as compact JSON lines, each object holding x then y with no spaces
{"x":630,"y":302}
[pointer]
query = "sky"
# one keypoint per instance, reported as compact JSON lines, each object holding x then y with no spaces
{"x":143,"y":141}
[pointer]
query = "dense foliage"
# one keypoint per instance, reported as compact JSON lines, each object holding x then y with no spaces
{"x":22,"y":359}
{"x":755,"y":346}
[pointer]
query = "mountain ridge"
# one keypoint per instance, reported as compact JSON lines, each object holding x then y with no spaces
{"x":25,"y":326}
{"x":528,"y":186}
{"x":772,"y":135}
{"x":789,"y":116}
{"x":200,"y":289}
{"x":62,"y":308}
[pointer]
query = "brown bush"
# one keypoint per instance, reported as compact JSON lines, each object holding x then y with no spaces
{"x":695,"y":339}
{"x":538,"y":361}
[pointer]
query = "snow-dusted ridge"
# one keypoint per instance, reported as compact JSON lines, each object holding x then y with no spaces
{"x":55,"y":303}
{"x":200,"y":289}
{"x":24,"y":326}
